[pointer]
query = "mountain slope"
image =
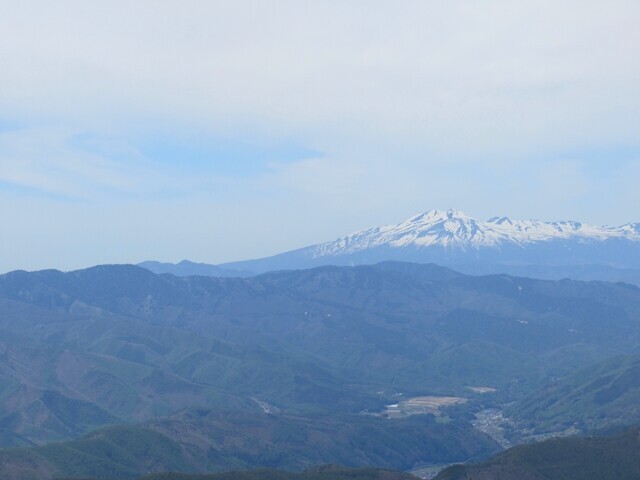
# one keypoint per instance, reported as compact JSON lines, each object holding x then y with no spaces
{"x":601,"y":458}
{"x":596,"y":397}
{"x":325,"y":472}
{"x":202,"y":441}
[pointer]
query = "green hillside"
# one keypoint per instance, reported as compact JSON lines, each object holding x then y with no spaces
{"x":201,"y":441}
{"x":596,"y":397}
{"x":589,"y":458}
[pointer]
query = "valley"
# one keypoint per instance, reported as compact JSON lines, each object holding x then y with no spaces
{"x":493,"y":422}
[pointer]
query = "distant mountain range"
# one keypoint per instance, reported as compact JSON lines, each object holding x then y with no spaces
{"x":186,"y":268}
{"x":534,"y":248}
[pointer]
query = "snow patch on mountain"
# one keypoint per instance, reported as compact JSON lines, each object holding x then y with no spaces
{"x":453,"y":229}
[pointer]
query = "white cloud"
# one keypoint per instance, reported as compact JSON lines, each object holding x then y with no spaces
{"x":465,"y":75}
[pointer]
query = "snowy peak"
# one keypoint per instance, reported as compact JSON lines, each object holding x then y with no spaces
{"x":438,"y":215}
{"x":501,"y":220}
{"x":453,"y":229}
{"x":631,"y":228}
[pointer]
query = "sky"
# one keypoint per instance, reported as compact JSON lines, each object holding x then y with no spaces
{"x":219,"y":131}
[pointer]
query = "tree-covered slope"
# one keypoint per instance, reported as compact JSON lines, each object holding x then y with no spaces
{"x":200,"y":441}
{"x":587,"y":458}
{"x":324,"y":472}
{"x":596,"y":397}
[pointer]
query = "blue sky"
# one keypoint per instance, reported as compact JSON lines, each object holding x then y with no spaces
{"x":219,"y":131}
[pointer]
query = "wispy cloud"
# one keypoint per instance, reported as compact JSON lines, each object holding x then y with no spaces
{"x":88,"y":166}
{"x":459,"y":76}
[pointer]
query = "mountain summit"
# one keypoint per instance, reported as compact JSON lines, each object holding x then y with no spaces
{"x":534,"y":248}
{"x":454,"y":229}
{"x":499,"y":245}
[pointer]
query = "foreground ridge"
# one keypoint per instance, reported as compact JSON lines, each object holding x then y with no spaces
{"x":603,"y":458}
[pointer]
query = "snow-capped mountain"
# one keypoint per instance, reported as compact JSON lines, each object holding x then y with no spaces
{"x":455,"y":230}
{"x":499,"y":245}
